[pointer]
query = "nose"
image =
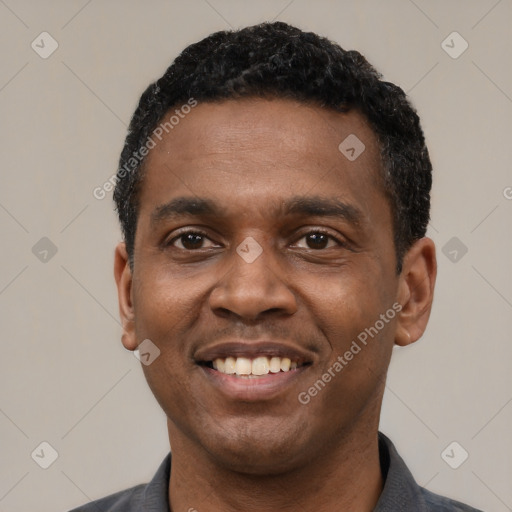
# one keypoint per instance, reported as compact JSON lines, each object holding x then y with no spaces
{"x":250,"y":290}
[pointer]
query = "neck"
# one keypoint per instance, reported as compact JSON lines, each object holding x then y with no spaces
{"x":346,"y":478}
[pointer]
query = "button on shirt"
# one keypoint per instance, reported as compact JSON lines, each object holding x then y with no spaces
{"x":400,"y":493}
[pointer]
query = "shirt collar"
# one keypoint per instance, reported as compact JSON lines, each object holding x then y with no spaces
{"x":156,"y":493}
{"x":400,"y":492}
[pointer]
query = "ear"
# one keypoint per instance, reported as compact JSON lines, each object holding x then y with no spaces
{"x":416,"y":291}
{"x":123,"y":277}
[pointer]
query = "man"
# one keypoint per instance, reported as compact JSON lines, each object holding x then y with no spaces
{"x":274,"y":196}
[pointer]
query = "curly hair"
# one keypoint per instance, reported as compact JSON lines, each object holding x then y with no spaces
{"x":279,"y":60}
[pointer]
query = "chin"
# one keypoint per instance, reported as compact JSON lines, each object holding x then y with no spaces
{"x":260,"y":463}
{"x":257,"y":449}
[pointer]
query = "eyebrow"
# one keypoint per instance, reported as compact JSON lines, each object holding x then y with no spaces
{"x":310,"y":206}
{"x":185,"y":206}
{"x":317,"y":206}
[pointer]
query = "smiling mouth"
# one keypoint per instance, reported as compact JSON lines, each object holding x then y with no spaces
{"x":260,"y":366}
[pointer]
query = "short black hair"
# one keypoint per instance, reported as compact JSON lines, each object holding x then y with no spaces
{"x":281,"y":61}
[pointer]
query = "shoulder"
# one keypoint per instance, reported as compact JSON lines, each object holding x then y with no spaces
{"x":437,"y":503}
{"x":153,"y":495}
{"x":401,"y":492}
{"x":123,"y":501}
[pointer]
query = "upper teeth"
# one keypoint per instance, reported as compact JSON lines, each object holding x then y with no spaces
{"x":258,"y":366}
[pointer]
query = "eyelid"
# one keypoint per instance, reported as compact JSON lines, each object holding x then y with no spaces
{"x":307,"y":231}
{"x":323,"y":231}
{"x":169,"y":242}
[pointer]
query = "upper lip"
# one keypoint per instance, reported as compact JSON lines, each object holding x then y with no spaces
{"x":252,"y":349}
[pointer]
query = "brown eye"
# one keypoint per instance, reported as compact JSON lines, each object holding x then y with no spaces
{"x":318,"y":240}
{"x":191,"y":240}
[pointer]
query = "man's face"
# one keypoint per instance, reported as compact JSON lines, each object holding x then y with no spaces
{"x":257,"y":175}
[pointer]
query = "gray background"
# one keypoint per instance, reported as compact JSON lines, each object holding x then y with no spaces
{"x":66,"y":378}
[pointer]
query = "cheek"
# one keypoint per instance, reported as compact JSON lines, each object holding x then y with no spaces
{"x":346,"y":303}
{"x":348,"y":310}
{"x":165,"y":310}
{"x":171,"y":387}
{"x":164,"y":306}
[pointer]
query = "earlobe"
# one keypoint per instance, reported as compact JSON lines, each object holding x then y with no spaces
{"x":416,"y":291}
{"x":124,"y":281}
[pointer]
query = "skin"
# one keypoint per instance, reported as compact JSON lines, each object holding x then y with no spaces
{"x":318,"y":293}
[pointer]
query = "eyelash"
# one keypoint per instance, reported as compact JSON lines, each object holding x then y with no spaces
{"x":319,"y":231}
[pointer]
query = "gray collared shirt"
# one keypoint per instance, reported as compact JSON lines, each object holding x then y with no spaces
{"x":400,"y":494}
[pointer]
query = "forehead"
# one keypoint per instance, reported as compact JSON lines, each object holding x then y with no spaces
{"x":253,"y":152}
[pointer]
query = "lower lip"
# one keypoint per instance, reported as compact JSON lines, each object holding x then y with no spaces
{"x":264,"y":387}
